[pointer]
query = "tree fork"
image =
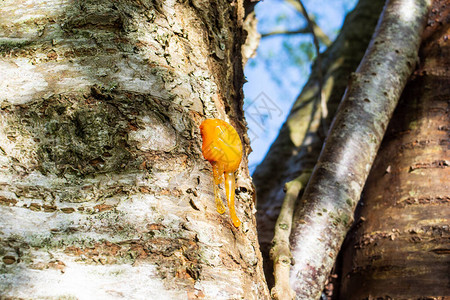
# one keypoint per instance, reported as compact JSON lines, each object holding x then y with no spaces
{"x":326,"y":209}
{"x":300,"y":139}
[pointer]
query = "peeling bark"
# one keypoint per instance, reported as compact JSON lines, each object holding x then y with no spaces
{"x":400,"y":245}
{"x":326,"y":210}
{"x":102,"y":181}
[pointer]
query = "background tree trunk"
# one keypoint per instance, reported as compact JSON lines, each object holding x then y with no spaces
{"x":104,"y":191}
{"x":400,"y":245}
{"x":325,"y":212}
{"x":297,"y":147}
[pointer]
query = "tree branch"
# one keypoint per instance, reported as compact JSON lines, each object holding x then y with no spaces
{"x":300,"y":140}
{"x":286,"y":32}
{"x":327,"y":206}
{"x":280,"y":253}
{"x":318,"y":31}
{"x":321,"y":98}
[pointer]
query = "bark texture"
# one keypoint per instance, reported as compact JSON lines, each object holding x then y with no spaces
{"x":400,"y":246}
{"x":280,"y":252}
{"x":325,"y":212}
{"x":104,"y":192}
{"x":300,"y":140}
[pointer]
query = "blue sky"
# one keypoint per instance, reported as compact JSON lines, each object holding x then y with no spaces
{"x":280,"y":69}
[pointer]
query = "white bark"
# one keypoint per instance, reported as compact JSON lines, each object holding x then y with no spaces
{"x":103,"y":190}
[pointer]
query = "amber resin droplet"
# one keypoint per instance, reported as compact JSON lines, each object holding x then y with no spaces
{"x":222,"y":147}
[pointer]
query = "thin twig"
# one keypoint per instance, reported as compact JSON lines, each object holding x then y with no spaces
{"x":280,"y":252}
{"x":320,"y":35}
{"x":323,"y":104}
{"x":286,"y":32}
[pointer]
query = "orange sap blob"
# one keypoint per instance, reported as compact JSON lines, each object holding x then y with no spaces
{"x":222,"y":147}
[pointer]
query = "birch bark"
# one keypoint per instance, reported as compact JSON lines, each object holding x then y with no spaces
{"x":104,"y":191}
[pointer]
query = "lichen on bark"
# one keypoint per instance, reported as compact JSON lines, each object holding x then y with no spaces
{"x":101,"y":172}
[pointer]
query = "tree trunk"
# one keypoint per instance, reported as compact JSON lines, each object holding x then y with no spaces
{"x":325,"y":213}
{"x":104,"y":191}
{"x":400,"y":245}
{"x":300,"y":140}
